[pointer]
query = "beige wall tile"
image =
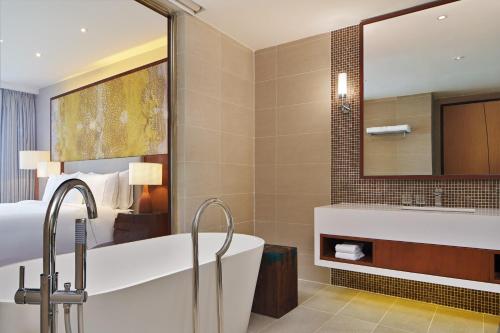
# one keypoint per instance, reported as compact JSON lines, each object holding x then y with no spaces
{"x":266,"y":65}
{"x":202,"y":145}
{"x":306,"y":40}
{"x":304,"y":118}
{"x":202,"y":76}
{"x":265,"y":150}
{"x":310,"y":55}
{"x":202,"y":40}
{"x":303,"y":178}
{"x":265,"y":123}
{"x":237,"y":179}
{"x":237,"y":120}
{"x":237,"y":91}
{"x":298,"y":235}
{"x":303,"y":148}
{"x":246,"y":228}
{"x":241,"y":206}
{"x":299,"y":208}
{"x":265,"y":95}
{"x":202,"y":111}
{"x":311,"y":272}
{"x":265,"y":179}
{"x":202,"y":179}
{"x":237,"y":149}
{"x":237,"y":59}
{"x":304,"y":88}
{"x":265,"y":207}
{"x":266,"y":231}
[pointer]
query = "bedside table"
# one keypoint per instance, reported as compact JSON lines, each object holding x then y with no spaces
{"x":136,"y":226}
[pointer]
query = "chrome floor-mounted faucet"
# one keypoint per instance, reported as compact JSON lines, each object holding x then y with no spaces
{"x":218,"y":259}
{"x":48,"y":296}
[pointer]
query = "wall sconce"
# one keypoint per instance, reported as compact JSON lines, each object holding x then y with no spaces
{"x":345,"y":107}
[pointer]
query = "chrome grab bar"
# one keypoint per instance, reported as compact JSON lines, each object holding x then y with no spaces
{"x":218,"y":257}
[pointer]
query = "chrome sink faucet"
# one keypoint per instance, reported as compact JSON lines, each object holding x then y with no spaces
{"x":438,"y":197}
{"x":48,"y":296}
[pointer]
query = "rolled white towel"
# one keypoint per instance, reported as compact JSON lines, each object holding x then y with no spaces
{"x":349,"y":247}
{"x":349,"y":256}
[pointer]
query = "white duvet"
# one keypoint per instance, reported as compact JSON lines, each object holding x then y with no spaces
{"x":21,"y":229}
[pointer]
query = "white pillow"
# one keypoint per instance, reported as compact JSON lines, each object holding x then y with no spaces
{"x":97,"y":184}
{"x":126,"y":192}
{"x":111,"y":189}
{"x":73,"y":196}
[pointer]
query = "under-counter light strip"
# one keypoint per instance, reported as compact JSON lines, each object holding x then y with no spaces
{"x":188,"y":6}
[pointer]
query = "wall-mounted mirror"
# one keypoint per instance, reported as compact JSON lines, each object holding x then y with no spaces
{"x":431,"y":92}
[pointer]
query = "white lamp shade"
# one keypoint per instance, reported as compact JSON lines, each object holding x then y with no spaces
{"x":342,"y":85}
{"x":142,"y":173}
{"x":47,"y":169}
{"x":28,"y":159}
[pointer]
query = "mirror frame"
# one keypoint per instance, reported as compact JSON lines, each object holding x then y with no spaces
{"x":361,"y":98}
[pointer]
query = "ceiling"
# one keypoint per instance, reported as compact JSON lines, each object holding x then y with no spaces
{"x":262,"y":23}
{"x":415,"y":53}
{"x":115,"y":29}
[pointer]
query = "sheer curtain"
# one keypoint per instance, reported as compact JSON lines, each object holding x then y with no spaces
{"x":17,"y":132}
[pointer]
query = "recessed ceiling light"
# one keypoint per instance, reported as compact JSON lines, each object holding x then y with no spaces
{"x":442,"y":17}
{"x":1,"y":40}
{"x":38,"y":54}
{"x":83,"y":30}
{"x":459,"y":58}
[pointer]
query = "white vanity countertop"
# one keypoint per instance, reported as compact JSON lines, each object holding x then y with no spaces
{"x":384,"y":207}
{"x":480,"y":229}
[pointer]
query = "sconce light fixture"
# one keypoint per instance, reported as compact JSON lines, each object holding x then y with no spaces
{"x":345,"y":107}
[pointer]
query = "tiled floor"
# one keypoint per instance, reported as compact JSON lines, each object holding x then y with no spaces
{"x":331,"y":309}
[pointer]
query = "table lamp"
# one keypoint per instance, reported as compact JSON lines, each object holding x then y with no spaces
{"x":142,"y":173}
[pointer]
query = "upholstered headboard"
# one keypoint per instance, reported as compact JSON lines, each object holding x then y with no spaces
{"x":100,"y":166}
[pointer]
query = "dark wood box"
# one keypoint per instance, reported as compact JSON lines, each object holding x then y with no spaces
{"x":277,"y":291}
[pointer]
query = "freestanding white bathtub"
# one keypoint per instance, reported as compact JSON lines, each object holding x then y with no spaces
{"x":146,"y":287}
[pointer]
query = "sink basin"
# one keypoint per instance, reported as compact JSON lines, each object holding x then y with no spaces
{"x":440,"y":209}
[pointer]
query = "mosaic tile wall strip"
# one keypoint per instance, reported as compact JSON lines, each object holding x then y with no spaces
{"x":347,"y":186}
{"x":480,"y":301}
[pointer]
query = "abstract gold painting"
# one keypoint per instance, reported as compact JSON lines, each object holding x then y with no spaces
{"x":122,"y":116}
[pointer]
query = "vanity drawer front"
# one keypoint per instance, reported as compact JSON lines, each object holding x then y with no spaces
{"x":440,"y":260}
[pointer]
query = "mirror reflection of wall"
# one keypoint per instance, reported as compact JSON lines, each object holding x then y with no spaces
{"x":437,"y":72}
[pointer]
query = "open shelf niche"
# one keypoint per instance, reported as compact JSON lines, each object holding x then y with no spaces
{"x":327,"y":248}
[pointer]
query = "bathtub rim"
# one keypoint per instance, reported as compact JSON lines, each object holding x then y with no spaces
{"x":259,"y":244}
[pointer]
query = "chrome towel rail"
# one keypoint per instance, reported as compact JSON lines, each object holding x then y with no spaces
{"x":218,"y":258}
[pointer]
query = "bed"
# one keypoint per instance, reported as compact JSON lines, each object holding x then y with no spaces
{"x":21,"y":223}
{"x":21,"y":228}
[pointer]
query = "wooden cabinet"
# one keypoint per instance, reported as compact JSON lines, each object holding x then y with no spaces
{"x":449,"y":261}
{"x":439,"y":260}
{"x":471,"y":138}
{"x":134,"y":227}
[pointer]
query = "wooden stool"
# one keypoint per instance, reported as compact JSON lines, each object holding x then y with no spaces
{"x":277,"y":291}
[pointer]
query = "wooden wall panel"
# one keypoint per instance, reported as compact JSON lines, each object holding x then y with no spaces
{"x":492,"y":113}
{"x":465,"y":146}
{"x":159,"y":193}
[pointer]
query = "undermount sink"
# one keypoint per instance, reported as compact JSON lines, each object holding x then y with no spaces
{"x":440,"y":209}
